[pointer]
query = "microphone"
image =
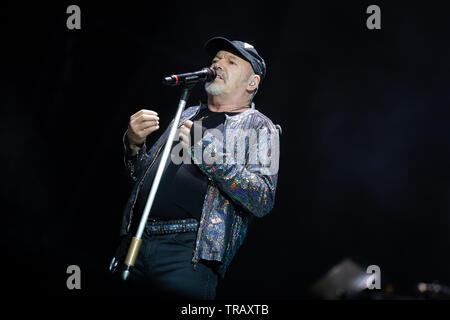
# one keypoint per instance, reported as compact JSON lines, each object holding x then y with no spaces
{"x":206,"y":74}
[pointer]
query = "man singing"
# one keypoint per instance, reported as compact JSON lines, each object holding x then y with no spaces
{"x":204,"y":204}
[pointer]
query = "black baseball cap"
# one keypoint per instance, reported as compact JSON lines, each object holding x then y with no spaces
{"x":245,"y":50}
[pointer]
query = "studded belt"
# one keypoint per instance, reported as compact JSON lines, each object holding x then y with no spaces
{"x":171,"y":226}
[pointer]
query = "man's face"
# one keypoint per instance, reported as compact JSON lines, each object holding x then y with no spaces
{"x":233,"y":74}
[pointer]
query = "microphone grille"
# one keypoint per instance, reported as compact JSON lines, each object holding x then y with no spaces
{"x":211,"y":74}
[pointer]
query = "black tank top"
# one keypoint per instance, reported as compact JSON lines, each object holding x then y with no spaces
{"x":182,"y":187}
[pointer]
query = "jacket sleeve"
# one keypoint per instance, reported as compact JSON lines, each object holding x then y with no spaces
{"x":134,"y":164}
{"x":250,"y":183}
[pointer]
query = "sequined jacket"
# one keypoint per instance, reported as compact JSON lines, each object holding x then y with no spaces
{"x":236,"y":193}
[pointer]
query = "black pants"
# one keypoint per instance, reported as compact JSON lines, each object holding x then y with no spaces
{"x":164,"y":267}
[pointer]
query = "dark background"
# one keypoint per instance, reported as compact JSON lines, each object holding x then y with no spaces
{"x":364,"y":167}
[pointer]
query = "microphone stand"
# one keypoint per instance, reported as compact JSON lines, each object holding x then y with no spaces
{"x":136,"y":241}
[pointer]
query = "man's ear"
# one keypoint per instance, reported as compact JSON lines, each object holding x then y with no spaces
{"x":254,"y":83}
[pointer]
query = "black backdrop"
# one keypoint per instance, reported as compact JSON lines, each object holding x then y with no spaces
{"x":364,"y":169}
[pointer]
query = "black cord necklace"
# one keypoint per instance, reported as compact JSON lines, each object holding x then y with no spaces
{"x":219,"y":113}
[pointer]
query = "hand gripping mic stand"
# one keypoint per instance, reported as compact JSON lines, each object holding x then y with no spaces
{"x":136,"y":241}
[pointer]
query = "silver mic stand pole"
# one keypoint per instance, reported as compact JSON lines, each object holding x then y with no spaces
{"x":136,"y":241}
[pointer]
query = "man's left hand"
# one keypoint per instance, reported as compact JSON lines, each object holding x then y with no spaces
{"x":185,"y":136}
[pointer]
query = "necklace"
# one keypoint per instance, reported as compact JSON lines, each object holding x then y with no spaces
{"x":204,"y":117}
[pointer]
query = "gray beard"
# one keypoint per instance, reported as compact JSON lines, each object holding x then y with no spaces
{"x":213,"y":89}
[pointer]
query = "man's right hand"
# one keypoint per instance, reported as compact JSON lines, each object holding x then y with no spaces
{"x":141,"y":124}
